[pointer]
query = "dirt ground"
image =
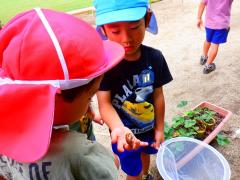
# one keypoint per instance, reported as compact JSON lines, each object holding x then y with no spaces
{"x":181,"y":43}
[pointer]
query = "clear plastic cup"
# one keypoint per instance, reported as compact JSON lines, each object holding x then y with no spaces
{"x":184,"y":158}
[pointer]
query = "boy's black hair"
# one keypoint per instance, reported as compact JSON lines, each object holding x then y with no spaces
{"x":70,"y":94}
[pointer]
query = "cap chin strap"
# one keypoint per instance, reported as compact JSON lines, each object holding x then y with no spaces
{"x":55,"y":42}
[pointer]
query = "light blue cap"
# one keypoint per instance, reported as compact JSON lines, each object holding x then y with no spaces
{"x":110,"y":11}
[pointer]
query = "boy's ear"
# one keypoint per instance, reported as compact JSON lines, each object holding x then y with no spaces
{"x":148,"y":17}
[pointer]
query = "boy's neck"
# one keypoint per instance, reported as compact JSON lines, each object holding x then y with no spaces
{"x":134,"y":56}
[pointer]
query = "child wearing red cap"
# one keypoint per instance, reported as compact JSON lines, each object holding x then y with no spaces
{"x":131,"y":94}
{"x":48,"y":74}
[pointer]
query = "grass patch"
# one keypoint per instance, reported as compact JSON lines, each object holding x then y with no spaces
{"x":9,"y":8}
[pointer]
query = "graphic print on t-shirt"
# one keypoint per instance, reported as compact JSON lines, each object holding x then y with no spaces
{"x":134,"y":104}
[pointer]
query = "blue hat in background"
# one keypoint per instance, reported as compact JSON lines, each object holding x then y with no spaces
{"x":110,"y":11}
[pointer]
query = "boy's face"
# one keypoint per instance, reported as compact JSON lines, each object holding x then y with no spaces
{"x":129,"y":34}
{"x":69,"y":112}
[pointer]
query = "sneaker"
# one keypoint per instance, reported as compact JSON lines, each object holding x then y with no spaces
{"x":203,"y":60}
{"x":147,"y":177}
{"x":209,"y":68}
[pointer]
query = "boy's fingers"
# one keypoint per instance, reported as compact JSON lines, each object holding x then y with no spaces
{"x":128,"y":142}
{"x":154,"y":145}
{"x":113,"y":138}
{"x":136,"y":144}
{"x":120,"y":146}
{"x":142,"y":143}
{"x":116,"y":139}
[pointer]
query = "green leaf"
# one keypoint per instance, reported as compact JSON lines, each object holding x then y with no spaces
{"x":189,"y":123}
{"x":182,"y":104}
{"x":182,"y":132}
{"x":168,"y":131}
{"x":222,"y":140}
{"x":190,"y":113}
{"x":177,"y":121}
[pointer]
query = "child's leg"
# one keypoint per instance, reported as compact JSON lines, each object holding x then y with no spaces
{"x":212,"y":53}
{"x":210,"y":66}
{"x":206,"y":47}
{"x":204,"y":57}
{"x":216,"y":37}
{"x":145,"y":163}
{"x":139,"y":177}
{"x":146,"y":153}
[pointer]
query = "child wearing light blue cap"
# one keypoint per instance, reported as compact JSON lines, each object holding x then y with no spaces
{"x":130,"y":97}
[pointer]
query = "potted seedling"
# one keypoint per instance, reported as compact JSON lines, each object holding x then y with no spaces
{"x":203,"y":122}
{"x":208,"y":117}
{"x":221,"y":116}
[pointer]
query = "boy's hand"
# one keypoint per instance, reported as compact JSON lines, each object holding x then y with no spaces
{"x":125,"y":139}
{"x":159,"y":138}
{"x":199,"y":23}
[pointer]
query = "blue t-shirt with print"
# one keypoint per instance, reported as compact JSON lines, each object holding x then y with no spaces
{"x":132,"y":84}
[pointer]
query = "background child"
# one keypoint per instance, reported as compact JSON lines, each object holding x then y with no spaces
{"x":217,"y":22}
{"x":48,"y":74}
{"x":131,"y":95}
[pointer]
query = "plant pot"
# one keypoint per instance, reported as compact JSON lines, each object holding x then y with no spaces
{"x":226,"y":114}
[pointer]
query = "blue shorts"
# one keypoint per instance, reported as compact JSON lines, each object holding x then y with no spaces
{"x":216,"y":36}
{"x":130,"y":161}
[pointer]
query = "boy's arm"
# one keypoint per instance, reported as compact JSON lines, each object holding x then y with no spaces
{"x":159,"y":110}
{"x":200,"y":13}
{"x":108,"y":113}
{"x":113,"y":121}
